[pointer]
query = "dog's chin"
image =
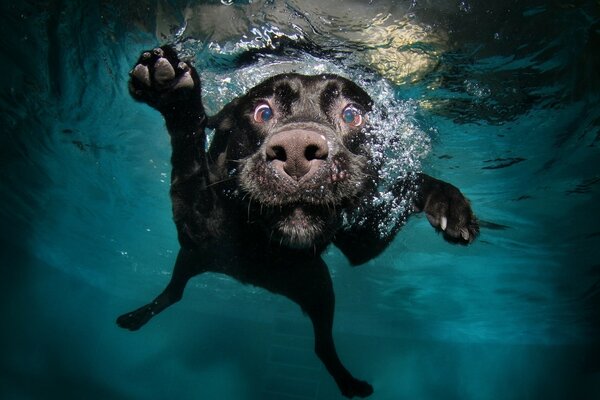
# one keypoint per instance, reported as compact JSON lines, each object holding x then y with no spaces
{"x":298,"y":228}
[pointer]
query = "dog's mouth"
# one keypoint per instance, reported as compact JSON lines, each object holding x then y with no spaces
{"x":300,"y":226}
{"x":301,"y":213}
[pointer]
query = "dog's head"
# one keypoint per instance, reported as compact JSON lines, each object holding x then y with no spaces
{"x":297,"y":148}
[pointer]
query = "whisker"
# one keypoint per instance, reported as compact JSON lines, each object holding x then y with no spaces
{"x":221,"y":181}
{"x":271,"y":235}
{"x":249,"y":204}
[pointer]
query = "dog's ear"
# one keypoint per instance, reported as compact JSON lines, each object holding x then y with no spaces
{"x":220,"y":120}
{"x":223,"y":123}
{"x":357,"y":94}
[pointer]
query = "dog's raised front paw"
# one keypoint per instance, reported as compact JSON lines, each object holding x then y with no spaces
{"x":160,"y":79}
{"x":449,"y":211}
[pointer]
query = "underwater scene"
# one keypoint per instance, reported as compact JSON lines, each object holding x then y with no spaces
{"x":500,"y":98}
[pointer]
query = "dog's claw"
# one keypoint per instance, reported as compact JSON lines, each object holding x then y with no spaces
{"x":465,"y":234}
{"x":449,"y":211}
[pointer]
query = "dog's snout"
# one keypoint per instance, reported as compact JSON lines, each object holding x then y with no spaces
{"x":297,"y":153}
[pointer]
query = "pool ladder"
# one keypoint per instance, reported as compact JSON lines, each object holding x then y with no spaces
{"x":293,"y":370}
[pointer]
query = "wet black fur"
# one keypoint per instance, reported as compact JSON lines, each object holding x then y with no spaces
{"x":236,"y":215}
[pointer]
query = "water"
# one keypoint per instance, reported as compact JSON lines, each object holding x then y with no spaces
{"x":499,"y":98}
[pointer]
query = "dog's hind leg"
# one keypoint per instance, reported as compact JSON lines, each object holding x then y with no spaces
{"x":321,"y":314}
{"x":185,"y":268}
{"x":310,"y":286}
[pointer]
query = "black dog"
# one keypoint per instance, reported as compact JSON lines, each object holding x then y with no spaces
{"x":287,"y":173}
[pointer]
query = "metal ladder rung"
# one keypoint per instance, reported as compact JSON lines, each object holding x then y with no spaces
{"x":293,"y":387}
{"x":293,"y":371}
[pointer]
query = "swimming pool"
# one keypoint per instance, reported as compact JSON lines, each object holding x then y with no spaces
{"x":499,"y":98}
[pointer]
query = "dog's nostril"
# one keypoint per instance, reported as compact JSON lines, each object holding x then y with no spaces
{"x":276,"y":153}
{"x":315,"y":152}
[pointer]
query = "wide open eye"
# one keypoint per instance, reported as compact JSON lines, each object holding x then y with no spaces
{"x":352,"y":116}
{"x":263,"y":113}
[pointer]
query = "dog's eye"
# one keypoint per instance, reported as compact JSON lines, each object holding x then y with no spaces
{"x":352,"y":116}
{"x":263,"y":113}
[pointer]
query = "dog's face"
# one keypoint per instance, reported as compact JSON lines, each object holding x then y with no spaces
{"x":297,"y":147}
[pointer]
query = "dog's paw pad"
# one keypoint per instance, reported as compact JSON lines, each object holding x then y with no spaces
{"x":141,"y":74}
{"x":158,"y":52}
{"x":185,"y":81}
{"x":163,"y":71}
{"x":160,"y":79}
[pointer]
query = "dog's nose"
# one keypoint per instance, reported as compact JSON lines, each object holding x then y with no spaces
{"x":297,"y":153}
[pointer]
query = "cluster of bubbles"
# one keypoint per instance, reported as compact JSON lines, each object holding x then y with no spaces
{"x":257,"y":38}
{"x":397,"y":142}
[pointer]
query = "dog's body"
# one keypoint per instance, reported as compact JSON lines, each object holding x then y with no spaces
{"x":287,"y":172}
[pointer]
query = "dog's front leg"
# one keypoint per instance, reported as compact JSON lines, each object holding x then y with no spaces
{"x":446,"y":208}
{"x":171,"y":86}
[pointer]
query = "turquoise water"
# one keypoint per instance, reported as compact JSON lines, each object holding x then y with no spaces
{"x":503,"y":101}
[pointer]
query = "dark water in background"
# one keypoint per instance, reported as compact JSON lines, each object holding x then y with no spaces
{"x":508,"y":94}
